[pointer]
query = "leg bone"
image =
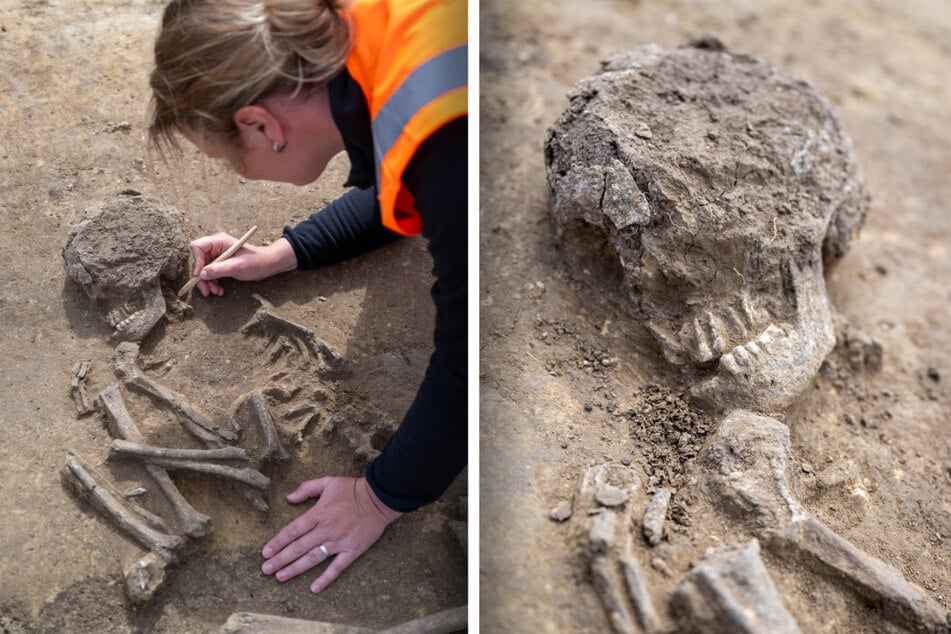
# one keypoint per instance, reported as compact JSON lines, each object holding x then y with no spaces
{"x":79,"y":477}
{"x":195,"y":422}
{"x":193,"y":523}
{"x":120,"y":448}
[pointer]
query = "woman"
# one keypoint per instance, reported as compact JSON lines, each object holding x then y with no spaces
{"x":278,"y":87}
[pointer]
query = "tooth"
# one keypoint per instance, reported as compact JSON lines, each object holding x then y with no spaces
{"x":703,"y":348}
{"x":733,"y":318}
{"x":742,"y":356}
{"x":728,"y":363}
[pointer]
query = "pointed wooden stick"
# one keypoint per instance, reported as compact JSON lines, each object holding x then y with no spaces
{"x":221,"y":258}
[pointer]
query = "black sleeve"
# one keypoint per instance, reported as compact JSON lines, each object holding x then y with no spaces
{"x":346,"y":227}
{"x":428,"y":450}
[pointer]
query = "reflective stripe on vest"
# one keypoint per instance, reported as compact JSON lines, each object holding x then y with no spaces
{"x":438,"y":76}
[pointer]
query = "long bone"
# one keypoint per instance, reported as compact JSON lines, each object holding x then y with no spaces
{"x":195,"y":422}
{"x":244,"y":475}
{"x":267,"y":323}
{"x":81,"y":478}
{"x":748,"y":465}
{"x":193,"y":523}
{"x":257,"y":405}
{"x":732,"y":593}
{"x":141,"y":450}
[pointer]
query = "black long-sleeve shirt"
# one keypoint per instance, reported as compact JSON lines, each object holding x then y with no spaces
{"x":428,"y":450}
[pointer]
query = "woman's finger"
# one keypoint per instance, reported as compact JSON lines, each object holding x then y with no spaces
{"x":338,"y":565}
{"x":305,"y":561}
{"x":307,"y":490}
{"x":291,"y":533}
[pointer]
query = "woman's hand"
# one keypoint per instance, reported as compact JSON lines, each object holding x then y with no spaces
{"x":249,"y":263}
{"x":346,"y":520}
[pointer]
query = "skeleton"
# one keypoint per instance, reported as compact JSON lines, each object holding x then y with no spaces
{"x":120,"y":253}
{"x":713,"y":190}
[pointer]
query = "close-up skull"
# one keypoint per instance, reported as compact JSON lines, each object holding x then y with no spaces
{"x":120,"y":253}
{"x":712,"y":190}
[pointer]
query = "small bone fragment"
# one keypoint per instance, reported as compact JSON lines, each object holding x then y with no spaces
{"x":732,"y":593}
{"x":444,"y":622}
{"x":77,"y":388}
{"x":193,"y":523}
{"x":144,"y":578}
{"x":195,"y":422}
{"x":610,"y":495}
{"x":561,"y":511}
{"x":250,"y":623}
{"x":267,"y":323}
{"x":244,"y":475}
{"x":79,"y":477}
{"x":273,"y":450}
{"x":120,"y":448}
{"x":655,"y":515}
{"x":603,"y":529}
{"x":134,"y":492}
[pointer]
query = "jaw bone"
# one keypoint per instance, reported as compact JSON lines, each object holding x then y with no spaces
{"x":768,"y":373}
{"x":748,"y":466}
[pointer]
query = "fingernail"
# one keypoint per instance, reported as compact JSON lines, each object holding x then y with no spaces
{"x":203,"y":274}
{"x":315,"y":588}
{"x":267,"y":552}
{"x":282,"y":575}
{"x":268,"y":568}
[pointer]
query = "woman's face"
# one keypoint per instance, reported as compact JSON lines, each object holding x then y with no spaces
{"x":303,"y":129}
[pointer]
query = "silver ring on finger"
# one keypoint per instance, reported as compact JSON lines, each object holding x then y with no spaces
{"x":324,"y":550}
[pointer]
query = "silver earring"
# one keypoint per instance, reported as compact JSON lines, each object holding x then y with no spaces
{"x":279,"y":148}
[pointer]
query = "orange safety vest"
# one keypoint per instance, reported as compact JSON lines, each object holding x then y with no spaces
{"x":410,"y":59}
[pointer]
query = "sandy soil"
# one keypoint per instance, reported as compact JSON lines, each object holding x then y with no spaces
{"x":73,"y":93}
{"x":550,"y":409}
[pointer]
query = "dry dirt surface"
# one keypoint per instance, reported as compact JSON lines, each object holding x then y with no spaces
{"x":73,"y":96}
{"x":569,"y":381}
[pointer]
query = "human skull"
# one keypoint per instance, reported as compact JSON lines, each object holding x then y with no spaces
{"x":119,"y":253}
{"x":712,"y":188}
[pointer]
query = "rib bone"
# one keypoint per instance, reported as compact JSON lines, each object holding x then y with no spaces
{"x":81,"y":479}
{"x":748,"y":465}
{"x":267,"y":323}
{"x":195,"y":422}
{"x":193,"y":523}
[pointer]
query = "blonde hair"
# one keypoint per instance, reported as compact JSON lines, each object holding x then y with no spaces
{"x":213,"y":57}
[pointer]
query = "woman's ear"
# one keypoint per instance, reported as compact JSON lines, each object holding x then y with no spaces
{"x":258,"y":127}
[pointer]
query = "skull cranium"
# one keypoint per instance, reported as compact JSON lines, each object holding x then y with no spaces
{"x":119,"y":253}
{"x":713,"y":188}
